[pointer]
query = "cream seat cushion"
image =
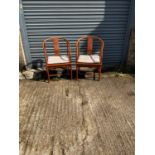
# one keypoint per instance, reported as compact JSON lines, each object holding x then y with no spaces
{"x":58,"y":59}
{"x":89,"y":58}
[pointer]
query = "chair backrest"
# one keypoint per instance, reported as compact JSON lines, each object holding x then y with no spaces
{"x":55,"y":40}
{"x":90,"y":40}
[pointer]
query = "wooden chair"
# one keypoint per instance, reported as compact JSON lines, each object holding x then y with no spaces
{"x":57,"y":60}
{"x":89,"y":59}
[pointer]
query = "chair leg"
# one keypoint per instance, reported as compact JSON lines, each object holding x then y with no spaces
{"x":67,"y":69}
{"x":48,"y":75}
{"x":71,"y":71}
{"x":94,"y":75}
{"x":77,"y":72}
{"x":99,"y":72}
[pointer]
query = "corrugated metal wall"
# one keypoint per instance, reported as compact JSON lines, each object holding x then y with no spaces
{"x":72,"y":19}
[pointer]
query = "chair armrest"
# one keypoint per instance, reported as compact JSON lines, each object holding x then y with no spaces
{"x":77,"y":50}
{"x":101,"y":50}
{"x":69,"y":53}
{"x":77,"y":46}
{"x":45,"y":52}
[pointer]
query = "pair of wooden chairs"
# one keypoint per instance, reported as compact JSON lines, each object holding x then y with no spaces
{"x":89,"y":59}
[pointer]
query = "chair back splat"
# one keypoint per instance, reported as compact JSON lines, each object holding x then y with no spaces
{"x":89,"y":45}
{"x":56,"y":45}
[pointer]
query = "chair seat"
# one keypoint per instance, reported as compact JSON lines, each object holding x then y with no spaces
{"x":89,"y":58}
{"x":58,"y":59}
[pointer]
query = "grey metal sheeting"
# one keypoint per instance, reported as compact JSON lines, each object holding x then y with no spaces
{"x":72,"y":19}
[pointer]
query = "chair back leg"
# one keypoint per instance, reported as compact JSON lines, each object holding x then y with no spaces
{"x":99,"y":72}
{"x":71,"y":71}
{"x":77,"y":72}
{"x":48,"y":75}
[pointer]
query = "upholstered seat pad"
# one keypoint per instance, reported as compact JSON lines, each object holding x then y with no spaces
{"x":89,"y":58}
{"x":58,"y":59}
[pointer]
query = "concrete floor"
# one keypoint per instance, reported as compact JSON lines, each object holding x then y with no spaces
{"x":84,"y":117}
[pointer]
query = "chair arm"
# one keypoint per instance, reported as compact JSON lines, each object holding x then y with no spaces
{"x":69,"y":53}
{"x":45,"y":52}
{"x":77,"y":50}
{"x":101,"y":50}
{"x":77,"y":46}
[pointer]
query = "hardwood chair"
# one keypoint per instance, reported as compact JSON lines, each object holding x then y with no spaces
{"x":89,"y":59}
{"x":57,"y":60}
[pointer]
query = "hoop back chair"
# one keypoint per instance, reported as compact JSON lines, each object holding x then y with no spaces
{"x":89,"y":59}
{"x":57,"y":60}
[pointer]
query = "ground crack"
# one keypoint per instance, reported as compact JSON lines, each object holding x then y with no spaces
{"x":67,"y":92}
{"x":84,"y":106}
{"x":91,"y":130}
{"x":52,"y":144}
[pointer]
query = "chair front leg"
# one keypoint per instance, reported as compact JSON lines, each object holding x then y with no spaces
{"x":99,"y":72}
{"x":94,"y":74}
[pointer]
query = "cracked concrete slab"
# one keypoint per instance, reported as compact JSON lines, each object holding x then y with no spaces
{"x":84,"y":117}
